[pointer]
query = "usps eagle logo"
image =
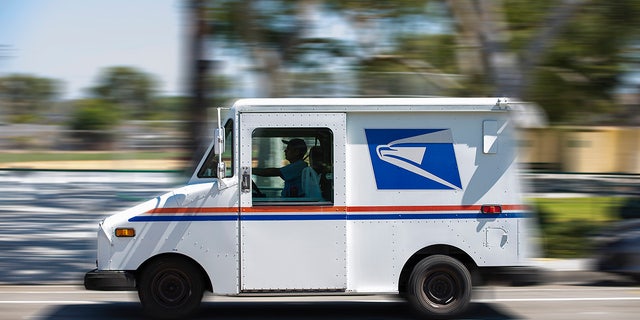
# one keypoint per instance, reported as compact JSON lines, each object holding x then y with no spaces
{"x":413,"y":159}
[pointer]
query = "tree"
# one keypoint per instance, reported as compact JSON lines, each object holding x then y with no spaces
{"x":565,"y":55}
{"x":130,"y":89}
{"x":577,"y":74}
{"x":26,"y":97}
{"x":277,"y":37}
{"x":396,"y":51}
{"x":93,"y":121}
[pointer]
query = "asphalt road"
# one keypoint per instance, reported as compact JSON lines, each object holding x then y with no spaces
{"x":47,"y":236}
{"x":48,"y":220}
{"x":575,"y":301}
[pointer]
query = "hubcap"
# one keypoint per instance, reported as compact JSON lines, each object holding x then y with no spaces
{"x":171,"y":288}
{"x":440,"y":287}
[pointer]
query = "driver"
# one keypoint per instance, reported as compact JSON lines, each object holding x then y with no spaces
{"x":291,"y":173}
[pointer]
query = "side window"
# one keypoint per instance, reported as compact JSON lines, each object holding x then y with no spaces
{"x":292,"y":165}
{"x":208,"y":169}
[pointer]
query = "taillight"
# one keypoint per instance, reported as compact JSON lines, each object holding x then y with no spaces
{"x":491,"y":208}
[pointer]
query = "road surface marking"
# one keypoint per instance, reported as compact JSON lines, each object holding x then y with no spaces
{"x":555,"y":299}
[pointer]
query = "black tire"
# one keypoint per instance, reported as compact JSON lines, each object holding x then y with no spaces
{"x":439,"y":286}
{"x":171,"y":288}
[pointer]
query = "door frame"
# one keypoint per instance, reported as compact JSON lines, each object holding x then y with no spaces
{"x":293,"y":247}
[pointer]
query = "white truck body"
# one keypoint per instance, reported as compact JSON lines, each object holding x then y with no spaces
{"x":409,"y":178}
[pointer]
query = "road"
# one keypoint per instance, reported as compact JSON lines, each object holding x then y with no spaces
{"x":575,"y":301}
{"x":48,"y":219}
{"x":47,"y":236}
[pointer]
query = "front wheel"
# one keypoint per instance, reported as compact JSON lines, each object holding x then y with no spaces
{"x":440,"y":286}
{"x":170,"y":288}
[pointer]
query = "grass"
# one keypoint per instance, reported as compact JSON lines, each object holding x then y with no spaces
{"x":596,"y":209}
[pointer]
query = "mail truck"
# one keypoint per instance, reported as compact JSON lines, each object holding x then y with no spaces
{"x":418,"y":197}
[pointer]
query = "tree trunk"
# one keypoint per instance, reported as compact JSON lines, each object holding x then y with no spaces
{"x":483,"y":39}
{"x":198,"y":68}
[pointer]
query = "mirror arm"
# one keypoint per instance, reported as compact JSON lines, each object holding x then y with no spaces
{"x":219,"y":146}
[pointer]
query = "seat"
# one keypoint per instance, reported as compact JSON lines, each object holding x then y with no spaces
{"x":311,"y":183}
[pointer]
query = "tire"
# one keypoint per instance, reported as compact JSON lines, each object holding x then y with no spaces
{"x":439,"y":286}
{"x":170,"y":288}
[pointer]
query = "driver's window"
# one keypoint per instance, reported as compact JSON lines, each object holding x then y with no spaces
{"x":208,"y":169}
{"x":292,"y":165}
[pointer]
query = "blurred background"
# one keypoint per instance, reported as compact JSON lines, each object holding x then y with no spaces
{"x":93,"y":86}
{"x":120,"y":77}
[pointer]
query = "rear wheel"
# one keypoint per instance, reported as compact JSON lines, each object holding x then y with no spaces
{"x":439,"y":286}
{"x":170,"y":288}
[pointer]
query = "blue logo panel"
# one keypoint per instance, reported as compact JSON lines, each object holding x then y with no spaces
{"x":413,"y":159}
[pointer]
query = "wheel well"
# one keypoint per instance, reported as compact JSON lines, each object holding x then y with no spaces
{"x":446,"y":250}
{"x":151,"y":260}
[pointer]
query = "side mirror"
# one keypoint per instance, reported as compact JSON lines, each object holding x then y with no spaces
{"x":221,"y":170}
{"x":218,"y":144}
{"x":218,"y":148}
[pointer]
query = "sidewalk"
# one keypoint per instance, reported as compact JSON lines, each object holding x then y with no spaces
{"x":563,"y":265}
{"x":571,"y":271}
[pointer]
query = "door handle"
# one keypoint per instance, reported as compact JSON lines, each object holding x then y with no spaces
{"x":246,"y":180}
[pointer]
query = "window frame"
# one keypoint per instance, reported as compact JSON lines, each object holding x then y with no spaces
{"x":228,"y":156}
{"x":322,"y":137}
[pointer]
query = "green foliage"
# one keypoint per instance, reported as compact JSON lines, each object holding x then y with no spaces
{"x":93,"y":122}
{"x":169,"y":108}
{"x":582,"y":66}
{"x":567,"y":224}
{"x":579,"y":68}
{"x":25,"y":117}
{"x":569,"y":239}
{"x":282,"y":35}
{"x":576,"y":77}
{"x":598,"y":209}
{"x":438,"y":50}
{"x":525,"y":18}
{"x":26,"y":97}
{"x":94,"y":114}
{"x":398,"y":9}
{"x":265,"y":23}
{"x":131,"y":90}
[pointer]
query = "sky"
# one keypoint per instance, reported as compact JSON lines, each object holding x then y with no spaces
{"x":72,"y":40}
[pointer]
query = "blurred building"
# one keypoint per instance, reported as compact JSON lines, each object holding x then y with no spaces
{"x":582,"y":149}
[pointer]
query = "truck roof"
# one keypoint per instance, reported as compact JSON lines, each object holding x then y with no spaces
{"x":370,"y":104}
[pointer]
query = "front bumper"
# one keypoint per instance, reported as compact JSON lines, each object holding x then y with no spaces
{"x":106,"y":280}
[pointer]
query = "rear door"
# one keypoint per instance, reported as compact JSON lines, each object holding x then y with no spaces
{"x":292,"y":243}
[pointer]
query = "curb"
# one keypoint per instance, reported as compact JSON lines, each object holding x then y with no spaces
{"x":566,"y":271}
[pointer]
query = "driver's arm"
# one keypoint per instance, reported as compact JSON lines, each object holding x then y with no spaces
{"x":267,"y":172}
